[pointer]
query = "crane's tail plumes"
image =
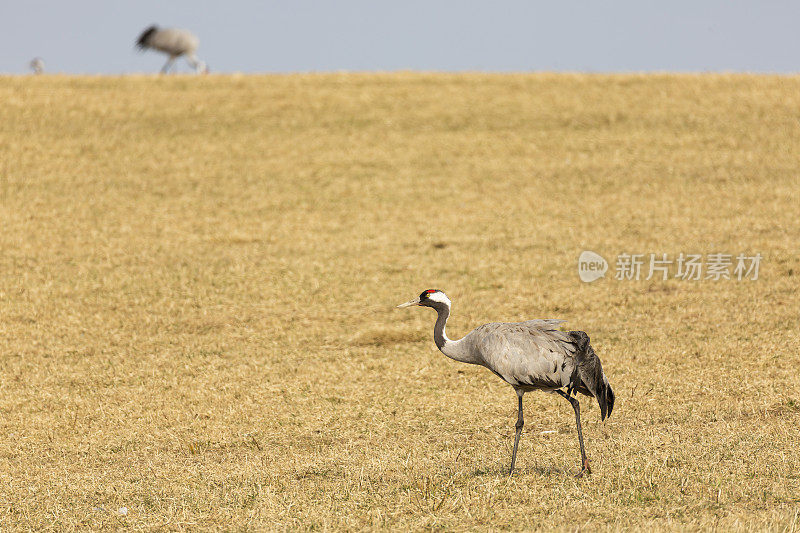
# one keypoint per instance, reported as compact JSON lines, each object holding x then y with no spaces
{"x":609,"y":395}
{"x":141,"y":42}
{"x":588,"y":377}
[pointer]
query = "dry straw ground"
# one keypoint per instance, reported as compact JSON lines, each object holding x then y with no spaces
{"x":198,"y":275}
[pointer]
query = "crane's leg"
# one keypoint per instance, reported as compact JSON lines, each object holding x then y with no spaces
{"x":167,"y":65}
{"x":519,"y":424}
{"x":577,"y":407}
{"x":198,"y":66}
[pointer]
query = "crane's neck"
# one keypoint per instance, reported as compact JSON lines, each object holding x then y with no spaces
{"x":457,"y":350}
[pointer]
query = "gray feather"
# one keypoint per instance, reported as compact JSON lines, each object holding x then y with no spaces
{"x":528,"y":354}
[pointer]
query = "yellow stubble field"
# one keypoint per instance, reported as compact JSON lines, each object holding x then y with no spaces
{"x":198,"y":278}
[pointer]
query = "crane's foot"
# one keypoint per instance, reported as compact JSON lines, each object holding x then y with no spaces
{"x":585,"y":469}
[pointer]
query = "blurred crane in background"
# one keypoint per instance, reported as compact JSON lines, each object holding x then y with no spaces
{"x":173,"y":42}
{"x":37,"y":65}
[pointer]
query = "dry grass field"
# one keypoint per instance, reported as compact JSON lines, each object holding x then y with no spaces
{"x":198,"y":278}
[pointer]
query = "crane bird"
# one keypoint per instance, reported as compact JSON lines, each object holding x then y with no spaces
{"x":532,"y":355}
{"x":173,"y":42}
{"x":37,"y":65}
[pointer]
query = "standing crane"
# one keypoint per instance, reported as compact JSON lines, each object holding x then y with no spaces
{"x":173,"y":42}
{"x":37,"y":65}
{"x":529,"y":356}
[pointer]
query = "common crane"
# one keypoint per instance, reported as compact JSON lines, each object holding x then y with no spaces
{"x":173,"y":42}
{"x":532,"y":355}
{"x":37,"y":65}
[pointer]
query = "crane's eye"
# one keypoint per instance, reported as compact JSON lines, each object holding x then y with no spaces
{"x":426,"y":294}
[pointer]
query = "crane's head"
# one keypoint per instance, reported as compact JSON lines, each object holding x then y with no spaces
{"x":430,"y":298}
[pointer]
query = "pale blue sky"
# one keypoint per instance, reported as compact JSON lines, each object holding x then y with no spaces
{"x":97,"y":36}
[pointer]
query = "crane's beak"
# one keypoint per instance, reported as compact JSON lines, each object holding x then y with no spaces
{"x":415,"y":301}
